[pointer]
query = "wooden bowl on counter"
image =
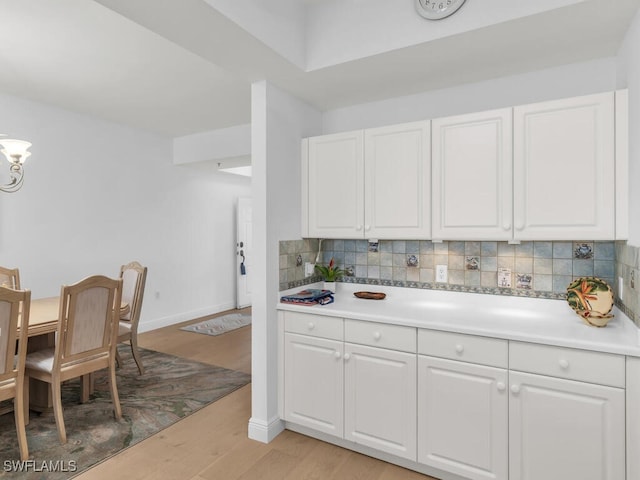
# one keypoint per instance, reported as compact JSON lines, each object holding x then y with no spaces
{"x":371,"y":295}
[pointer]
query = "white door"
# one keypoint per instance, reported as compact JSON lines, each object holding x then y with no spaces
{"x":564,"y":169}
{"x":380,"y":399}
{"x":472,"y":176}
{"x":243,"y":256}
{"x":313,"y":383}
{"x":335,"y":183}
{"x":463,"y":412}
{"x":397,"y":189}
{"x":562,"y":429}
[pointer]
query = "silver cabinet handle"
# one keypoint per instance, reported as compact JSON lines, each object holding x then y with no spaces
{"x":515,"y":389}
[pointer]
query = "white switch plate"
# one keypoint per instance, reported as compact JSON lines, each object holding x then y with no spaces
{"x":620,"y":287}
{"x":441,"y":273}
{"x":308,"y":269}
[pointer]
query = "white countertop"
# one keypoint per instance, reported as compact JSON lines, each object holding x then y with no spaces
{"x":550,"y":322}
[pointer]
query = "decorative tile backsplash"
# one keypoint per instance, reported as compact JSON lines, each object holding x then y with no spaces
{"x":628,"y":268}
{"x":536,"y":269}
{"x":533,"y":269}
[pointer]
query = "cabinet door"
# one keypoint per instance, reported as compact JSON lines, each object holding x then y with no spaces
{"x":472,"y":176}
{"x":561,"y":429}
{"x":380,"y":399}
{"x":313,"y":383}
{"x":564,"y":169}
{"x":398,"y":181}
{"x":335,"y":177}
{"x":463,"y":418}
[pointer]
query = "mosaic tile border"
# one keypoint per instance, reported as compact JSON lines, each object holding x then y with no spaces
{"x":432,"y":286}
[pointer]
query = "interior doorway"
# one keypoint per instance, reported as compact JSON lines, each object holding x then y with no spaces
{"x":244,"y":237}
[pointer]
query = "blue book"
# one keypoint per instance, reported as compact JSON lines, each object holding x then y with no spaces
{"x":311,"y":296}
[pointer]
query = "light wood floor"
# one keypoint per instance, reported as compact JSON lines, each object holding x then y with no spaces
{"x":213,"y":444}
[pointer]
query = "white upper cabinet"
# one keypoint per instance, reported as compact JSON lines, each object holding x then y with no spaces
{"x":368,"y":184}
{"x":335,"y":180}
{"x":564,"y":169}
{"x":397,"y":182}
{"x":554,"y":170}
{"x":472,"y":176}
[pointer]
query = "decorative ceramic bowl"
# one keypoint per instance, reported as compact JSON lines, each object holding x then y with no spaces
{"x":592,"y":299}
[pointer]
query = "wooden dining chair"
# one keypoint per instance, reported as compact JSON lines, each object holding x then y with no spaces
{"x":134,"y":277}
{"x":14,"y":304}
{"x":86,"y":340}
{"x":10,"y":278}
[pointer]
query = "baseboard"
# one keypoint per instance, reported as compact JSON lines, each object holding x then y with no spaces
{"x":265,"y":432}
{"x":372,"y":452}
{"x":146,"y":326}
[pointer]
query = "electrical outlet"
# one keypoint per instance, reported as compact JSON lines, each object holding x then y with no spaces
{"x":441,"y":273}
{"x":504,"y":277}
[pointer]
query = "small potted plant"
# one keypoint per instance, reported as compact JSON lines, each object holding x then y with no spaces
{"x":330,"y":273}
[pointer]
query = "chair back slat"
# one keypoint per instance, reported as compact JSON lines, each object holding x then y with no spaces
{"x":89,"y":326}
{"x":10,"y":311}
{"x":6,"y":353}
{"x":134,"y":277}
{"x":129,"y":286}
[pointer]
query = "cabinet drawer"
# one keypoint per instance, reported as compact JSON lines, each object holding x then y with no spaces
{"x":570,"y":363}
{"x":393,"y":337}
{"x":467,"y":348}
{"x":313,"y":325}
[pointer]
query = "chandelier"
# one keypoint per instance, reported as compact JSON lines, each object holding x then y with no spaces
{"x":16,"y":153}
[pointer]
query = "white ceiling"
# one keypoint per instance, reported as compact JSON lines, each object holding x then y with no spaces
{"x":178,"y":67}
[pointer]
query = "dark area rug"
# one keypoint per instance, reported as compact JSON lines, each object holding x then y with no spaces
{"x":170,"y":389}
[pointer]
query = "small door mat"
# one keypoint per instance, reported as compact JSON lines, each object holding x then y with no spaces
{"x":220,"y":325}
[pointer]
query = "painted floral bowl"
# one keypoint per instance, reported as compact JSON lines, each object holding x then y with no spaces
{"x":592,"y":299}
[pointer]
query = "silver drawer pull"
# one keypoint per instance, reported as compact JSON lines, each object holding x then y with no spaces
{"x":337,"y":354}
{"x":377,"y":335}
{"x":564,"y":364}
{"x":311,"y":326}
{"x":347,"y":356}
{"x":459,"y":348}
{"x":515,"y":388}
{"x":501,"y":386}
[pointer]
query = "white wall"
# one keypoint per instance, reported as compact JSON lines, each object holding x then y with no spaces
{"x":566,"y":81}
{"x":218,"y":145}
{"x":629,"y":77}
{"x":279,"y":122}
{"x":97,"y":195}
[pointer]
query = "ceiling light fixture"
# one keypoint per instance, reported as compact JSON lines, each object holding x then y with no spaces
{"x":16,"y":153}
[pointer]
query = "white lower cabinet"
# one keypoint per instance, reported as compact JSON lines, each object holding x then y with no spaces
{"x":314,"y":382}
{"x":463,"y":418}
{"x":380,"y":399}
{"x":444,"y":403}
{"x":561,"y":429}
{"x":364,"y":394}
